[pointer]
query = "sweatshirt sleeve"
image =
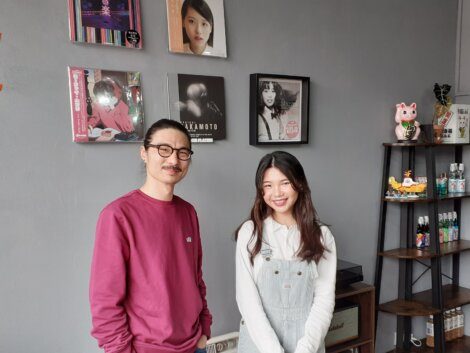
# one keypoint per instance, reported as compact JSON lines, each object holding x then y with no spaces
{"x":320,"y":315}
{"x":248,"y":298}
{"x":108,"y":285}
{"x":205,"y":317}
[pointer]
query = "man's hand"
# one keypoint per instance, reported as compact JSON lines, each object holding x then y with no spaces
{"x":202,"y":342}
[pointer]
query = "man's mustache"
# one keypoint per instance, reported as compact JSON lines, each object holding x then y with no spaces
{"x":172,"y":167}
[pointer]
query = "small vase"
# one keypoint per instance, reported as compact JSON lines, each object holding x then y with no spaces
{"x":438,"y":129}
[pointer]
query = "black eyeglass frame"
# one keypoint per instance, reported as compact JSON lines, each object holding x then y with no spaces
{"x":191,"y":152}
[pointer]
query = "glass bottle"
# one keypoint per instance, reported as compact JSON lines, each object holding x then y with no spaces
{"x":430,"y":332}
{"x":456,"y":226}
{"x":450,"y":226}
{"x":427,"y":231}
{"x":420,"y":235}
{"x":461,"y":322}
{"x":441,"y":230}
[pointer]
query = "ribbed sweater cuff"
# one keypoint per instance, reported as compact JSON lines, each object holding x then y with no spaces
{"x":206,"y":329}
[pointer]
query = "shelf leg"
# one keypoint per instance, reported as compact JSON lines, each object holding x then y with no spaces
{"x":381,"y":230}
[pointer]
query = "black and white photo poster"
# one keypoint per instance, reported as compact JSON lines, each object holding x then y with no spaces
{"x":278,"y":109}
{"x":198,"y":102}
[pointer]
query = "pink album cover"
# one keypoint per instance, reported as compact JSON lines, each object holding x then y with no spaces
{"x":106,"y":105}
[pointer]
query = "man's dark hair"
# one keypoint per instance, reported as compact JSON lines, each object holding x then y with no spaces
{"x":165,"y":124}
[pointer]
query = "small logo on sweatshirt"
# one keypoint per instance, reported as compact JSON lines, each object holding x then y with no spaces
{"x":189,"y":240}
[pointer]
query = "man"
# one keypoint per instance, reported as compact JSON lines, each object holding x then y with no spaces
{"x":147,"y":294}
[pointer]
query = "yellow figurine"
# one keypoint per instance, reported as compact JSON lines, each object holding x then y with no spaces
{"x":408,"y":187}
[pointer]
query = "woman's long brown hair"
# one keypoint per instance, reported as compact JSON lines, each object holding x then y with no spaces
{"x":311,"y":247}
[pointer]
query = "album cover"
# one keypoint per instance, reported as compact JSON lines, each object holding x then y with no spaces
{"x":111,"y":22}
{"x":106,"y":105}
{"x":279,"y":109}
{"x":196,"y":27}
{"x":198,"y":102}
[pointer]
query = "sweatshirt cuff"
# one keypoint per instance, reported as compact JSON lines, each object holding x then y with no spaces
{"x":206,"y":328}
{"x":302,"y":348}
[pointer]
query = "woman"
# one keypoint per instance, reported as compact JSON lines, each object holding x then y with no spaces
{"x":198,"y":27}
{"x":285,"y":264}
{"x":273,"y":102}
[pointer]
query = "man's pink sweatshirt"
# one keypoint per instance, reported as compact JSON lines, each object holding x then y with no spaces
{"x":147,"y":294}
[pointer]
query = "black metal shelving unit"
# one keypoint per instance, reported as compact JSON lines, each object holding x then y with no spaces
{"x":431,"y":302}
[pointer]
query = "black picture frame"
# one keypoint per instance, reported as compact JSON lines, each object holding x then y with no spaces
{"x":288,"y":113}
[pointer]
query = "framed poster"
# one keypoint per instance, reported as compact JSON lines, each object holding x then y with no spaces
{"x":196,"y":27}
{"x":279,"y":109}
{"x":111,"y":22}
{"x":106,"y":105}
{"x":198,"y":102}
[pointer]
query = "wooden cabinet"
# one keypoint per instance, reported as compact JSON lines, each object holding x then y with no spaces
{"x":364,"y":295}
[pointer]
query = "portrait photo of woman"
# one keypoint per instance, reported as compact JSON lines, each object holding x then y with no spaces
{"x":274,"y":102}
{"x":196,"y":27}
{"x":278,"y":109}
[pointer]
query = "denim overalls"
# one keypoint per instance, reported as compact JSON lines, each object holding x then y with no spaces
{"x":286,"y":291}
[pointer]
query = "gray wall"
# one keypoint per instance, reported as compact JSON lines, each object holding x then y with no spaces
{"x":462,"y":86}
{"x":362,"y":56}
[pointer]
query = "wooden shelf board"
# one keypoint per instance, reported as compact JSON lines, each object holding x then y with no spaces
{"x":348,"y":345}
{"x":403,"y":307}
{"x":421,"y":304}
{"x":422,"y":144}
{"x":453,"y":247}
{"x":407,"y":144}
{"x":452,"y":296}
{"x":453,"y":196}
{"x":413,"y":200}
{"x":460,"y":345}
{"x":404,"y":253}
{"x":353,"y":289}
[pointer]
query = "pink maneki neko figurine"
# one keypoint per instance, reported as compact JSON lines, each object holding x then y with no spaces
{"x":407,"y":129}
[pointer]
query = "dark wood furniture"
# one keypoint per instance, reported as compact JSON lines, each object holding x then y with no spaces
{"x":439,"y":298}
{"x":461,"y":345}
{"x":364,"y":295}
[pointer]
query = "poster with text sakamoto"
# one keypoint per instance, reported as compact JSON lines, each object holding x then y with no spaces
{"x":198,"y":102}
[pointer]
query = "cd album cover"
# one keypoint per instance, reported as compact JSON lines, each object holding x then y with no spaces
{"x":196,"y":27}
{"x":111,"y":22}
{"x":198,"y":102}
{"x":106,"y":105}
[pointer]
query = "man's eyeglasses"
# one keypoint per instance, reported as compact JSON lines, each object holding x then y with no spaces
{"x":165,"y":151}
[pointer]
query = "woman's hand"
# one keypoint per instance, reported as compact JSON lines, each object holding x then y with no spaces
{"x":202,"y":342}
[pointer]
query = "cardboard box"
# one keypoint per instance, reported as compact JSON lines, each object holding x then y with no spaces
{"x":456,"y":124}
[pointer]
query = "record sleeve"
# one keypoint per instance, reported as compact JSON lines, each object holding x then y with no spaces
{"x":198,"y":102}
{"x":110,"y":22}
{"x":106,"y":105}
{"x":196,"y":27}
